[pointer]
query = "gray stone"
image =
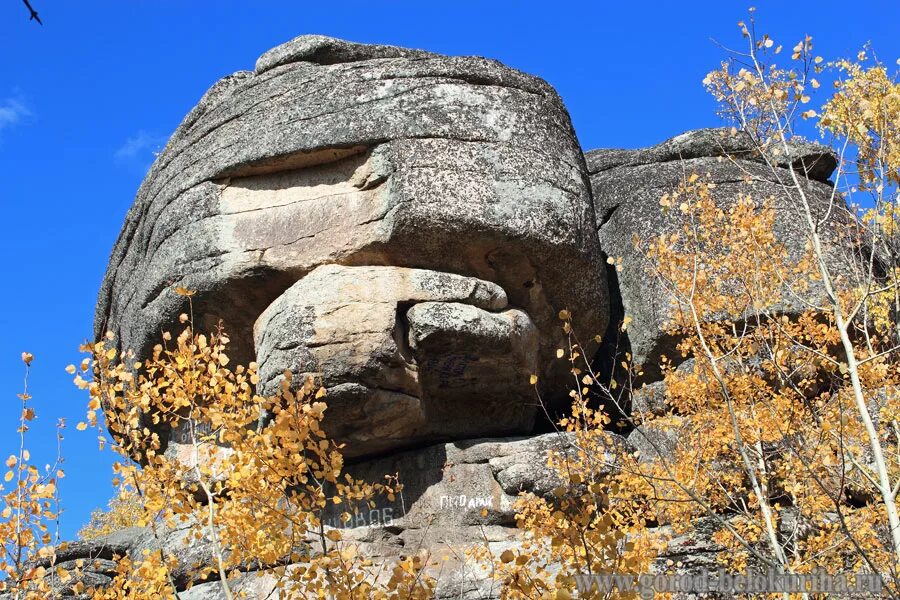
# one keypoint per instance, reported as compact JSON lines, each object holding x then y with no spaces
{"x":654,"y":441}
{"x":323,"y":50}
{"x":814,"y":160}
{"x":693,"y":550}
{"x":91,"y":562}
{"x":340,"y":153}
{"x":407,"y":355}
{"x":627,"y":191}
{"x":649,"y":400}
{"x":117,"y":543}
{"x":453,"y":489}
{"x":458,"y":495}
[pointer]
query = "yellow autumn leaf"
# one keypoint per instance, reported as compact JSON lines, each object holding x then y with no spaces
{"x":63,"y":574}
{"x":181,"y":291}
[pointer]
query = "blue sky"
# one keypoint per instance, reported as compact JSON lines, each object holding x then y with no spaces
{"x":86,"y":99}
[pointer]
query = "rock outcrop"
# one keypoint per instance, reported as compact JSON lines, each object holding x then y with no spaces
{"x":406,"y":227}
{"x":407,"y":355}
{"x":628,"y":185}
{"x":455,"y":496}
{"x":335,"y":153}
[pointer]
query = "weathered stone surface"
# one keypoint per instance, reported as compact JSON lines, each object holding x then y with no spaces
{"x":627,"y":188}
{"x":340,"y":153}
{"x":407,"y":355}
{"x":458,"y":495}
{"x":446,"y":486}
{"x":814,"y":160}
{"x":95,"y":573}
{"x":692,"y":551}
{"x":323,"y":50}
{"x":90,"y":562}
{"x":455,"y":495}
{"x":655,"y":440}
{"x":649,"y":399}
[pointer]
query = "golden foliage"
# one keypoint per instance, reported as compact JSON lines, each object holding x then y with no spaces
{"x":124,"y":510}
{"x":253,"y":475}
{"x":865,"y":111}
{"x":30,"y":504}
{"x":790,"y":395}
{"x":590,"y":523}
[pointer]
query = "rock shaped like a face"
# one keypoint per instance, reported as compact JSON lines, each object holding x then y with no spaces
{"x":627,"y":188}
{"x":340,"y":153}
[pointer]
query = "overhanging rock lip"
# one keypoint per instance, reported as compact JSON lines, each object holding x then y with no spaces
{"x":325,"y":50}
{"x":819,"y":160}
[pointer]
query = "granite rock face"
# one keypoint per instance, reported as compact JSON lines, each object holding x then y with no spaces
{"x":336,"y":153}
{"x":627,"y":187}
{"x":456,"y":495}
{"x":406,"y":227}
{"x":814,"y":160}
{"x":407,"y":355}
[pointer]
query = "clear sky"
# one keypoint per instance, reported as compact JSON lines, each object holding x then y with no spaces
{"x":88,"y":97}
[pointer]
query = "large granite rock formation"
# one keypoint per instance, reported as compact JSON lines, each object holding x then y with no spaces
{"x":332,"y":152}
{"x":406,"y":227}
